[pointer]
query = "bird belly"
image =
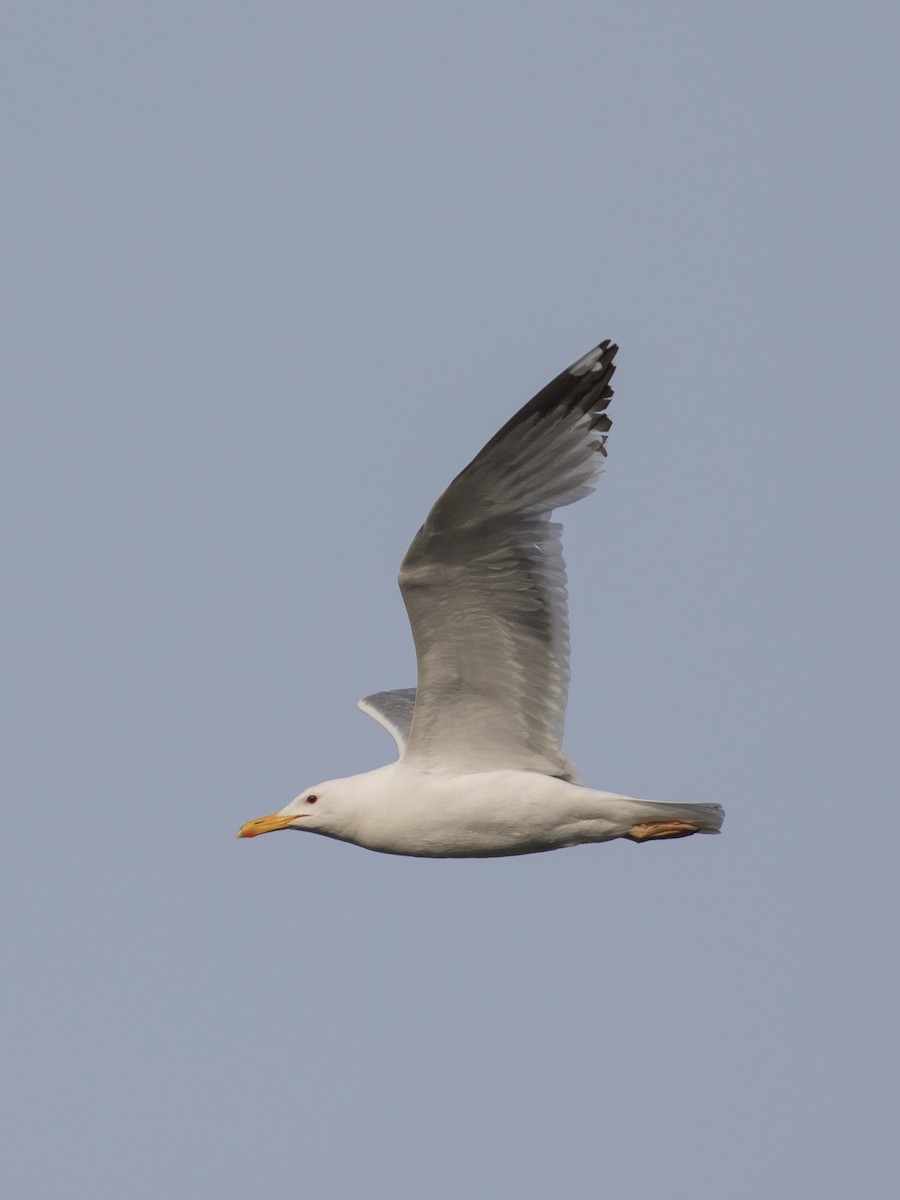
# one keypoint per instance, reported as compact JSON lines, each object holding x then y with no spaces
{"x":487,"y":815}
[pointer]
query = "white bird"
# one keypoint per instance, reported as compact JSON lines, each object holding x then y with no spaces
{"x":481,"y":771}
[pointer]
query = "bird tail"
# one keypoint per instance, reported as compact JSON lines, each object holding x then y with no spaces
{"x":707,"y":818}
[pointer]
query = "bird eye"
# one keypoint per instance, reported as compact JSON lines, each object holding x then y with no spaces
{"x":311,"y":799}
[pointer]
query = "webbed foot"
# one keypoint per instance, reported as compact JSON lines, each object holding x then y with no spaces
{"x":650,"y":831}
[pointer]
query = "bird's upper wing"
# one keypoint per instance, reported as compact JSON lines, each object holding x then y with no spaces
{"x":393,"y":710}
{"x":484,"y":584}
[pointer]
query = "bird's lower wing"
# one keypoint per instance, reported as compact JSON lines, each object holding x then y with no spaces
{"x":393,"y":710}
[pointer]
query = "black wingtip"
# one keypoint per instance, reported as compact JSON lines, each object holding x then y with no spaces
{"x":596,"y":361}
{"x":584,"y":385}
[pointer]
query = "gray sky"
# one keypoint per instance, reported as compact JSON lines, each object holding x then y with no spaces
{"x":273,"y":273}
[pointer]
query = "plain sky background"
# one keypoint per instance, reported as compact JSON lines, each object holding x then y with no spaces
{"x":273,"y":273}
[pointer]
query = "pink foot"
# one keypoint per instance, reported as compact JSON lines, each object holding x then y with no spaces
{"x":653,"y":830}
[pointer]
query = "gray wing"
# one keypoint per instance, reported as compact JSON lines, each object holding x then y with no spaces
{"x":484,"y":584}
{"x":393,"y":710}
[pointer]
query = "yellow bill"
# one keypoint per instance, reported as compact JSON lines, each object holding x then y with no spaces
{"x":266,"y":824}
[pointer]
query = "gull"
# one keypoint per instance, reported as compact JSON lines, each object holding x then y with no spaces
{"x":481,"y":772}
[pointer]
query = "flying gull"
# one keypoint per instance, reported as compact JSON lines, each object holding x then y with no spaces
{"x":481,"y":771}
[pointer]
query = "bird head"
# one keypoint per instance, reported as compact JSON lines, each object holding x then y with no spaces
{"x":309,"y":810}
